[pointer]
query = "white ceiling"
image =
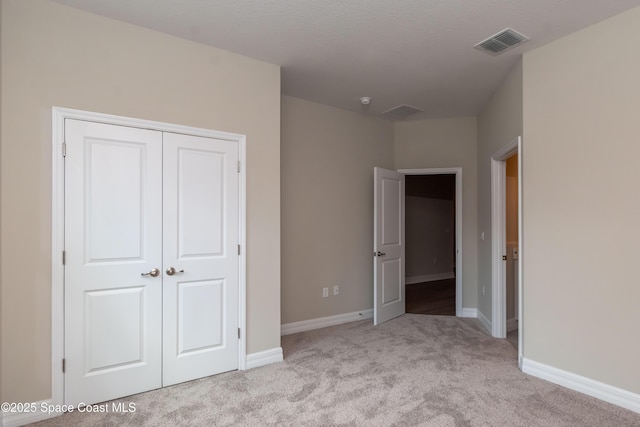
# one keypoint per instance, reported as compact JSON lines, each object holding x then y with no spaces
{"x":416,"y":52}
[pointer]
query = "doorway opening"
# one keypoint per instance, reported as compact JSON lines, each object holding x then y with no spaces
{"x":430,"y":244}
{"x":511,"y":267}
{"x":507,"y":243}
{"x":454,"y":173}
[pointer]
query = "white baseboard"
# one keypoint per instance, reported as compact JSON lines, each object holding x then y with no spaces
{"x":42,"y":412}
{"x":602,"y":391}
{"x":469,"y":312}
{"x":512,"y":324}
{"x":484,"y":322}
{"x":323,"y":322}
{"x":265,"y":357}
{"x":429,"y":278}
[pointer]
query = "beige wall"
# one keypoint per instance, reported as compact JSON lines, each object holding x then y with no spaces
{"x":56,"y":56}
{"x":328,"y":156}
{"x":430,"y":237}
{"x":499,"y":123}
{"x":441,"y":143}
{"x":582,"y":217}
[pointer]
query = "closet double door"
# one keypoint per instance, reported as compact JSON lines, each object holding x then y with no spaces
{"x":151,"y":259}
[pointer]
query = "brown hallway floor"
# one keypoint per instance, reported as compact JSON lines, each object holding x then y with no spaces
{"x":438,"y":297}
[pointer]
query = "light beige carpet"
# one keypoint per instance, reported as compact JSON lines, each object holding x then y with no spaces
{"x":413,"y":370}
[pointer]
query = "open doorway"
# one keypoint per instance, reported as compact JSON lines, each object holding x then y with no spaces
{"x":389,"y":278}
{"x":512,"y":238}
{"x":430,"y":214}
{"x":506,"y":250}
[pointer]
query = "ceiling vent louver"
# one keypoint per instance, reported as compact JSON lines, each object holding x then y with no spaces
{"x":501,"y":41}
{"x":400,"y":112}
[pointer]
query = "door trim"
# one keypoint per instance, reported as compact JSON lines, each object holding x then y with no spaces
{"x":57,"y":227}
{"x":498,"y":243}
{"x":457,"y":171}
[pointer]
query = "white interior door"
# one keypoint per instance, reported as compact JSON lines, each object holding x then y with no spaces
{"x":151,"y":271}
{"x":113,"y":235}
{"x":388,"y":245}
{"x":201,"y":245}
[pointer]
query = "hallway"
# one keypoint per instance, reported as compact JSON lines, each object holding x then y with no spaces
{"x":437,"y":297}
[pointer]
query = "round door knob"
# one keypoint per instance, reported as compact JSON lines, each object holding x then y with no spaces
{"x":171,"y":271}
{"x":153,"y":273}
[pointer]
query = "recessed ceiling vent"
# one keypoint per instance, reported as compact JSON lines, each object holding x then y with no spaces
{"x":498,"y":43}
{"x":400,"y":112}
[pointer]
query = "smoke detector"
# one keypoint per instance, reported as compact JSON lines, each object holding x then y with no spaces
{"x":365,"y":100}
{"x":502,"y":41}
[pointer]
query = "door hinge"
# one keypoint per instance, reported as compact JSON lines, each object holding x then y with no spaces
{"x":64,"y":257}
{"x":238,"y":166}
{"x":64,"y":149}
{"x":238,"y":333}
{"x":238,"y":249}
{"x":64,"y":365}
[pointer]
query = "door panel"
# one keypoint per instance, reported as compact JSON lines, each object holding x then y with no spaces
{"x":192,"y":337}
{"x":200,"y":207}
{"x":389,"y":247}
{"x":200,"y":216}
{"x":391,"y":292}
{"x":113,"y":234}
{"x":391,"y":199}
{"x":116,"y":343}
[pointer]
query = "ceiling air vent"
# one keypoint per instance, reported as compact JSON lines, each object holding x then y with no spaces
{"x":400,"y":112}
{"x":502,"y":41}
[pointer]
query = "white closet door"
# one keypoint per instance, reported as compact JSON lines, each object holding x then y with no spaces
{"x":200,"y":216}
{"x":113,"y":235}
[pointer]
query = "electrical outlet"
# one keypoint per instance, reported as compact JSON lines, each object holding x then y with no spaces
{"x":435,"y":260}
{"x":325,"y":292}
{"x":336,"y":290}
{"x":482,"y":289}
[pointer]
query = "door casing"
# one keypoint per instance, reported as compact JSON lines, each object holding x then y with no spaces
{"x":57,"y":226}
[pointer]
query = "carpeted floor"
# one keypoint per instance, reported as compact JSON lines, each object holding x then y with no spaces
{"x":413,"y":370}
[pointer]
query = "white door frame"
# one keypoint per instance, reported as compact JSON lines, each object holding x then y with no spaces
{"x":457,"y":171}
{"x":57,"y":227}
{"x":498,"y":242}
